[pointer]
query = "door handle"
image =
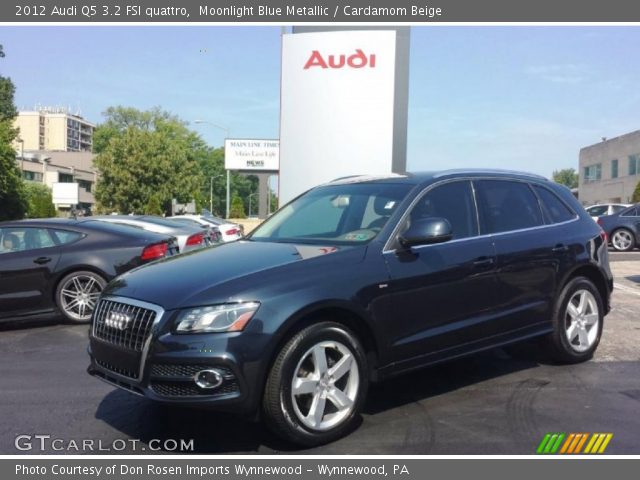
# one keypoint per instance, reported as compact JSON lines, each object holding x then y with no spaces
{"x":560,"y":248}
{"x":42,"y":260}
{"x":483,"y":261}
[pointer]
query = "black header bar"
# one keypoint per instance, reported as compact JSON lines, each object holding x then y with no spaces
{"x":309,"y":11}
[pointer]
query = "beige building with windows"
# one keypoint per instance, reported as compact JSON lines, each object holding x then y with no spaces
{"x":610,"y":170}
{"x":53,"y":129}
{"x":49,"y":167}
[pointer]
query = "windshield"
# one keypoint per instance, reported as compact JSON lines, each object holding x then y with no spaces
{"x":336,"y":214}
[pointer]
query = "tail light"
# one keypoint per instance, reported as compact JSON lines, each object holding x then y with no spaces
{"x":232,"y":231}
{"x":153,"y":252}
{"x":196,"y":239}
{"x":603,"y":234}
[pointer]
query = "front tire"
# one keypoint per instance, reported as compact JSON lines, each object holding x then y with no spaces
{"x":77,"y":295}
{"x":317,"y":385}
{"x":623,"y":240}
{"x":577,"y":322}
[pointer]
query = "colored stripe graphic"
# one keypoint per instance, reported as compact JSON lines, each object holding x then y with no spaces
{"x":581,"y":443}
{"x":573,"y":443}
{"x":570,"y":438}
{"x":550,"y":443}
{"x":543,"y":443}
{"x":598,"y":443}
{"x":555,"y":447}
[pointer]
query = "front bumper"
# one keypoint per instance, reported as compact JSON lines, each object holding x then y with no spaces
{"x":166,"y":367}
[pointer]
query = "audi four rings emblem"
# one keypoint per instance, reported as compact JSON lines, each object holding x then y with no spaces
{"x":118,"y":320}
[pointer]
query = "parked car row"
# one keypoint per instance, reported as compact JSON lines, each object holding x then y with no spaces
{"x":189,"y":237}
{"x":54,"y":266}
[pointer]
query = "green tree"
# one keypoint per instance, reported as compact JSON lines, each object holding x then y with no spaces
{"x":212,"y":170}
{"x":273,"y":199}
{"x":237,"y":208}
{"x":153,"y":206}
{"x":39,"y":201}
{"x":567,"y":177}
{"x":145,"y":159}
{"x":635,"y":198}
{"x":13,"y":204}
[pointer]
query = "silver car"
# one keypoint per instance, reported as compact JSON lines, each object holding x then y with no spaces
{"x":213,"y":232}
{"x":189,"y":238}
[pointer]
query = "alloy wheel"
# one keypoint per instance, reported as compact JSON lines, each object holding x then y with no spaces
{"x":622,"y":240}
{"x":325,"y":385}
{"x":79,"y":295}
{"x":582,"y":320}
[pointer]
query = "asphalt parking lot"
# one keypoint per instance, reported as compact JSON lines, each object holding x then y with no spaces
{"x":500,"y":402}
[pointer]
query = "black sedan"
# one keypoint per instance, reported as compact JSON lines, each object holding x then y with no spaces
{"x":623,"y":228}
{"x":62,"y":265}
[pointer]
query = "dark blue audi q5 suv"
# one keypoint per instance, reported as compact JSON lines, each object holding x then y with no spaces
{"x":351,"y":283}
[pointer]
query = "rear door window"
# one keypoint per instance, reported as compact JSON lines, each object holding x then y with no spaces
{"x":507,"y":206}
{"x":18,"y":239}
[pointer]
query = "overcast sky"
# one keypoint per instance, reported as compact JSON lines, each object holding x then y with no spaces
{"x":525,"y":98}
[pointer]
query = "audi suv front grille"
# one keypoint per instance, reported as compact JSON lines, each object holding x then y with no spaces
{"x":133,"y":329}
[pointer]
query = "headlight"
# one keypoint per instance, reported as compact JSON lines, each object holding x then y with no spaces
{"x":219,"y":318}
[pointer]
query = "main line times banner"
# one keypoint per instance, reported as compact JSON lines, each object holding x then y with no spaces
{"x":326,"y":11}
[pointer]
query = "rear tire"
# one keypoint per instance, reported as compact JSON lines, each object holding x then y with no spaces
{"x":77,"y":295}
{"x":623,"y":240}
{"x":577,"y":322}
{"x":317,"y":385}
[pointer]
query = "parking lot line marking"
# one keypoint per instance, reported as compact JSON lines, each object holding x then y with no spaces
{"x":627,"y":289}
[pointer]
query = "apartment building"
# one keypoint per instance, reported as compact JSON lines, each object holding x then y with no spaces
{"x":610,"y":170}
{"x":53,"y":129}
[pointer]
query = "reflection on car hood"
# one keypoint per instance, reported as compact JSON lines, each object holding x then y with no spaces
{"x":173,"y":281}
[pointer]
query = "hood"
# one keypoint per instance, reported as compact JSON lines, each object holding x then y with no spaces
{"x":173,"y":282}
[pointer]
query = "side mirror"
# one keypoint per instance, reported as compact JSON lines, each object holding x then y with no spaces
{"x":426,"y":231}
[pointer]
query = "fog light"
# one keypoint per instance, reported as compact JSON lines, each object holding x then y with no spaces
{"x":208,"y":379}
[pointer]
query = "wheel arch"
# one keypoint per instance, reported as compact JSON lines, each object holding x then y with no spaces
{"x":594,"y":274}
{"x":337,"y":312}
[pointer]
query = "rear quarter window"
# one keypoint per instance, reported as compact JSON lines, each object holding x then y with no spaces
{"x":64,"y":237}
{"x":554,"y":209}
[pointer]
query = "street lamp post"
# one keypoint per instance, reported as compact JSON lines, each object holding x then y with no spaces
{"x":211,"y":193}
{"x":226,"y":131}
